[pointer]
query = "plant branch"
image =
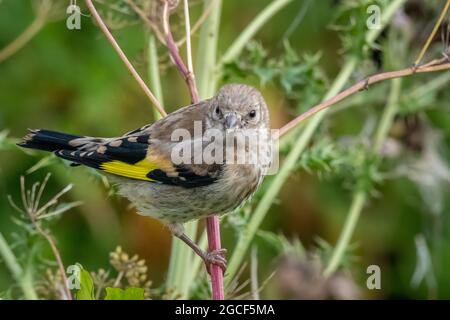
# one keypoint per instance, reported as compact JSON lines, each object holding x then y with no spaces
{"x":187,"y":75}
{"x":123,"y":57}
{"x":213,"y":232}
{"x":31,"y":204}
{"x":433,"y":66}
{"x":57,"y":255}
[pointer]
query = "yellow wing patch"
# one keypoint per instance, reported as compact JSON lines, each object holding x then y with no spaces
{"x":138,"y":170}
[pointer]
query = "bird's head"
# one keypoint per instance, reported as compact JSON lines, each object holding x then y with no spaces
{"x":239,"y":106}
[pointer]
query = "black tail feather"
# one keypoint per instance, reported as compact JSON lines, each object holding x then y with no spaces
{"x":47,"y":140}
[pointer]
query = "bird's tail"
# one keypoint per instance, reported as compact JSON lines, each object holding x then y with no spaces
{"x":48,"y":140}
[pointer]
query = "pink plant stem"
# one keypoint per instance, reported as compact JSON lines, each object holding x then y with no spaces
{"x":212,"y":222}
{"x":213,"y":231}
{"x":176,"y":58}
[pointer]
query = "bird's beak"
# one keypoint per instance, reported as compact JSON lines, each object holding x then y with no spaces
{"x":231,"y":120}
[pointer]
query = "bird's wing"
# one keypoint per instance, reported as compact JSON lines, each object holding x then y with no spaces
{"x":123,"y":156}
{"x":144,"y":154}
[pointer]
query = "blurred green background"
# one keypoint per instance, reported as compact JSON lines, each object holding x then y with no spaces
{"x":72,"y":81}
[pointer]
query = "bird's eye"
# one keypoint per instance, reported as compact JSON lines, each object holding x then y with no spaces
{"x":217,"y":111}
{"x":252,"y":114}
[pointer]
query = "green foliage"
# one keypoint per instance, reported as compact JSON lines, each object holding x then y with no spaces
{"x":352,"y":162}
{"x":127,"y":294}
{"x":324,"y":251}
{"x":350,"y":20}
{"x":86,"y":291}
{"x":283,"y":245}
{"x":323,"y":158}
{"x":298,"y":76}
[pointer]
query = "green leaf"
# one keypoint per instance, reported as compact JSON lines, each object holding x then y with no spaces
{"x":128,"y":294}
{"x":86,"y":291}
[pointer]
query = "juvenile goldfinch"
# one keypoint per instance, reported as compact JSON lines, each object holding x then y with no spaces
{"x":141,"y":162}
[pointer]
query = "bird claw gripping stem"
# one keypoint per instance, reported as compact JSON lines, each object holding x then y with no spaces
{"x":215,"y":257}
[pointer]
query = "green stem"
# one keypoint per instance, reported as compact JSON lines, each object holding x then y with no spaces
{"x":207,"y":52}
{"x":235,"y":49}
{"x":153,"y":72}
{"x":10,"y":259}
{"x":388,"y":116}
{"x":344,"y":239}
{"x":289,"y":164}
{"x":25,"y":280}
{"x":360,"y":196}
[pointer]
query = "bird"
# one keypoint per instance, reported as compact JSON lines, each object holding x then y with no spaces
{"x":144,"y":163}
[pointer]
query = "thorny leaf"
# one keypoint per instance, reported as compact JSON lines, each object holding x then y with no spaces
{"x":297,"y":76}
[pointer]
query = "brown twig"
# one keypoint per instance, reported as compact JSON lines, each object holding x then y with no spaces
{"x":124,"y":58}
{"x":187,"y":75}
{"x":432,"y":66}
{"x":152,"y":25}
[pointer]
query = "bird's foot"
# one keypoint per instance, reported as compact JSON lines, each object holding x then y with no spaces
{"x":215,"y":257}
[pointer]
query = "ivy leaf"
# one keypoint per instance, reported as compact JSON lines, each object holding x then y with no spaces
{"x":86,"y":291}
{"x":128,"y":294}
